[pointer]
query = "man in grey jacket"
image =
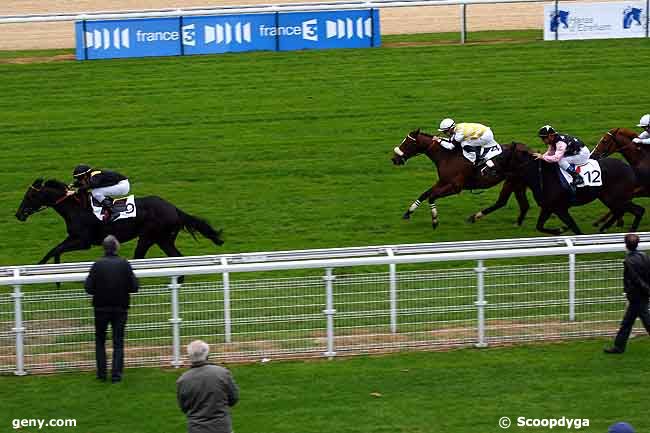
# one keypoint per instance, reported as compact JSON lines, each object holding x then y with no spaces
{"x":206,"y":392}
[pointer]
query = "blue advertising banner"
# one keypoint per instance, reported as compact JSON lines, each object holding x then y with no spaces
{"x":318,"y":30}
{"x":231,"y":33}
{"x":227,"y":33}
{"x":128,"y":38}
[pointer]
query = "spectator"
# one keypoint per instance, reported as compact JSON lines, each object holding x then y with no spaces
{"x":620,"y":427}
{"x":206,"y":392}
{"x":636,"y":283}
{"x":110,"y":282}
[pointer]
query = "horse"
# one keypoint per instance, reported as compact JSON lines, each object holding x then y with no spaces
{"x":455,"y":173}
{"x":638,"y":156}
{"x":156,"y":222}
{"x":617,"y":191}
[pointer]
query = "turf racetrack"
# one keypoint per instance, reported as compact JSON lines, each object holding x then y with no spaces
{"x":291,"y":150}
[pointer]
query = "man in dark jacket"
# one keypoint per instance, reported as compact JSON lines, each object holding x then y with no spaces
{"x":636,"y":283}
{"x":206,"y":392}
{"x":110,"y":282}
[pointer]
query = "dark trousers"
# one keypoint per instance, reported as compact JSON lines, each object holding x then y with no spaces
{"x":636,"y":308}
{"x":117,"y":319}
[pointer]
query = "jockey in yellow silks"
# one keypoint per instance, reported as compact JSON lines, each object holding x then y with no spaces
{"x":473,"y":138}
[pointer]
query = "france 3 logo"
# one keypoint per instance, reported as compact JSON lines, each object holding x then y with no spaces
{"x":105,"y":39}
{"x":349,"y":28}
{"x":227,"y":33}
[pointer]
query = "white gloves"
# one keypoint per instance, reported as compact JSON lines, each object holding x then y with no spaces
{"x":636,"y":140}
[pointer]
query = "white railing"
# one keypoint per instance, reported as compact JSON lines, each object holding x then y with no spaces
{"x":334,"y":313}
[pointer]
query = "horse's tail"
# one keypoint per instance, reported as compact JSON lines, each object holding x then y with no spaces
{"x":195,"y":224}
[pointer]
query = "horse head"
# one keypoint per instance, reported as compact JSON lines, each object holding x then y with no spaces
{"x":413,"y":144}
{"x":615,"y":140}
{"x":39,"y":196}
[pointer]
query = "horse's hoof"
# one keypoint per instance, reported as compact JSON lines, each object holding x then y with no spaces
{"x":406,"y":216}
{"x":434,"y":225}
{"x":471,"y":219}
{"x":596,"y":224}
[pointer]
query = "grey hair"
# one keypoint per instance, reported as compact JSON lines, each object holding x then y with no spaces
{"x":111,"y":244}
{"x":198,"y":351}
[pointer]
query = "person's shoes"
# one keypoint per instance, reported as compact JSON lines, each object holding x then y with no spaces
{"x":615,"y":350}
{"x":101,"y":378}
{"x":116,"y":379}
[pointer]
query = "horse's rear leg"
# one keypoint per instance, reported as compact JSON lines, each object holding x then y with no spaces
{"x":170,"y":249}
{"x":143,"y":246}
{"x":416,"y":204}
{"x":637,"y":211}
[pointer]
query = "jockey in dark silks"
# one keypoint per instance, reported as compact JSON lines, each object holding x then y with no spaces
{"x":103,"y":184}
{"x":566,"y":150}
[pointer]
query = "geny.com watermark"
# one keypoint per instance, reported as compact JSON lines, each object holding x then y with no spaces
{"x":549,"y":423}
{"x":40,"y":423}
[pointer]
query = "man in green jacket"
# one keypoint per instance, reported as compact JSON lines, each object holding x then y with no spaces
{"x":206,"y":393}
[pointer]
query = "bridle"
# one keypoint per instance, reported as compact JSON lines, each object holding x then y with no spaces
{"x":605,"y":153}
{"x":43,"y":207}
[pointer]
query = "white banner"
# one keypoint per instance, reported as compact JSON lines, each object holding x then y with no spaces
{"x":595,"y":20}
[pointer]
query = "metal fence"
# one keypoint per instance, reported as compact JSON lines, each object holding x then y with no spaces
{"x":335,"y":313}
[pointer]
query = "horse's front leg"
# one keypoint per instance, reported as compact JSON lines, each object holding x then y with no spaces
{"x":438,"y":191}
{"x":544,"y":215}
{"x":68,"y":244}
{"x":416,"y":204}
{"x":567,"y":219}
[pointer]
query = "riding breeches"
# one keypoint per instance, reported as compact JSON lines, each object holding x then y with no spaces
{"x":484,"y":141}
{"x":579,"y":159}
{"x":121,"y":188}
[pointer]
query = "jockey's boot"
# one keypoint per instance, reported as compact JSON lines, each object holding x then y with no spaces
{"x":577,"y":179}
{"x":107,"y":210}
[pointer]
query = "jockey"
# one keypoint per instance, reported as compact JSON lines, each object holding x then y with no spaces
{"x":644,"y":137}
{"x":471,"y":137}
{"x":564,"y":149}
{"x":102,"y":183}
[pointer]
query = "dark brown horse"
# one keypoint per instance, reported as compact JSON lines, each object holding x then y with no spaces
{"x":617,"y":191}
{"x":637,"y":155}
{"x":455,"y":173}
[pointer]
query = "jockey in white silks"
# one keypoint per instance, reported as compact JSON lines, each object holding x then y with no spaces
{"x":473,"y":138}
{"x":564,"y":149}
{"x":644,"y":137}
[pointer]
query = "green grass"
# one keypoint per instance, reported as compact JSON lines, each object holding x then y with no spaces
{"x":291,"y":150}
{"x":462,"y":391}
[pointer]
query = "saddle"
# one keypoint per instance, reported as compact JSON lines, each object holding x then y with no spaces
{"x":121,"y":208}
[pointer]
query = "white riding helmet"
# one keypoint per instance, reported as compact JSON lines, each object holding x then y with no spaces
{"x":446,"y":125}
{"x":645,"y":121}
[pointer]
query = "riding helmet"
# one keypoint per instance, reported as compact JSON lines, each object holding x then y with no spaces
{"x":80,"y":170}
{"x":645,"y":121}
{"x":446,"y":125}
{"x":546,"y":130}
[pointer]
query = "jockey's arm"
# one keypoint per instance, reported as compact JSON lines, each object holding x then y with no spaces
{"x":560,"y":148}
{"x":643,"y":138}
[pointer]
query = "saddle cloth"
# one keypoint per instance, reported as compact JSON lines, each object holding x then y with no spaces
{"x":590,"y":173}
{"x":125,"y":206}
{"x":486,"y":154}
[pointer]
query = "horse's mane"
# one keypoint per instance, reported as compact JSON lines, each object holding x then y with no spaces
{"x":55,"y":184}
{"x":519,"y":146}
